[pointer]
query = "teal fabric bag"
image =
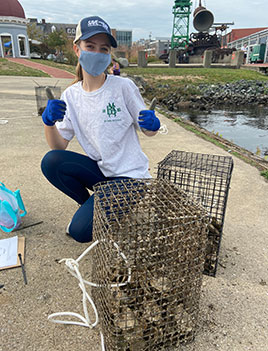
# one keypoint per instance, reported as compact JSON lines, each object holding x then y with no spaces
{"x":11,"y":209}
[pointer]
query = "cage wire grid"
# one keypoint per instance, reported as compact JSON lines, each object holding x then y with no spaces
{"x":206,"y":178}
{"x":150,"y":258}
{"x":41,"y":96}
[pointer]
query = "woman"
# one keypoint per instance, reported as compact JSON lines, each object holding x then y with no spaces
{"x":115,"y":69}
{"x":104,"y":112}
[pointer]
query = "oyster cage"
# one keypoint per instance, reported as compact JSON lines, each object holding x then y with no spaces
{"x":41,"y":97}
{"x":207,"y":178}
{"x":150,"y":258}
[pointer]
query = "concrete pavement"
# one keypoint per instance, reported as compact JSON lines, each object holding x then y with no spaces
{"x":234,"y":305}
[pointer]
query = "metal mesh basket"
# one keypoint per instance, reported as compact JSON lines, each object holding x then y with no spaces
{"x":149,"y":260}
{"x":207,"y":178}
{"x":41,"y":97}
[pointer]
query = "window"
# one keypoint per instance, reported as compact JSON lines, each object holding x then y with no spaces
{"x":263,"y":40}
{"x":124,"y":38}
{"x":22,"y":45}
{"x":7,"y":45}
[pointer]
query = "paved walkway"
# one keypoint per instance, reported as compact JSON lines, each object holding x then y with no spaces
{"x":256,"y":64}
{"x":52,"y":71}
{"x":260,"y":67}
{"x":233,"y":305}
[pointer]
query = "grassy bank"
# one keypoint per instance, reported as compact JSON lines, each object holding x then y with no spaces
{"x":63,"y":66}
{"x":8,"y":68}
{"x":172,"y":76}
{"x":194,"y":76}
{"x":162,"y":82}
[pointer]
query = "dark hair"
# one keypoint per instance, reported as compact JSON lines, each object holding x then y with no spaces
{"x":78,"y":74}
{"x":78,"y":69}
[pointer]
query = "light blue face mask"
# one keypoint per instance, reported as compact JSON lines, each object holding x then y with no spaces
{"x":94,"y":63}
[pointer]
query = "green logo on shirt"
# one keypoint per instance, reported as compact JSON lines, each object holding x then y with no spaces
{"x":111,"y":110}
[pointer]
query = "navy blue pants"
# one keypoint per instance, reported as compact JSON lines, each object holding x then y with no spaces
{"x":74,"y":174}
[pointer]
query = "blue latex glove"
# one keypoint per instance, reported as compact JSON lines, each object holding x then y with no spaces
{"x":148,"y":120}
{"x":54,"y":111}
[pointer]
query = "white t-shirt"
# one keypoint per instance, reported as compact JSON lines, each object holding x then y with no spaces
{"x":105,"y":123}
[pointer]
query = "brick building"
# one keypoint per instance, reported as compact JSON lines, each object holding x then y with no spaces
{"x":236,"y":34}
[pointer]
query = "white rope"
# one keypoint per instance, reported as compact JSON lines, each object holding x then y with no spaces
{"x":163,"y":129}
{"x":73,"y":268}
{"x":102,"y":342}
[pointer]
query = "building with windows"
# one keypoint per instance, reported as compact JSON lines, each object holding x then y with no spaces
{"x":239,"y":33}
{"x":255,"y":38}
{"x":14,"y":41}
{"x":158,"y":47}
{"x":47,"y":28}
{"x":13,"y":30}
{"x":154,"y":47}
{"x":123,"y":37}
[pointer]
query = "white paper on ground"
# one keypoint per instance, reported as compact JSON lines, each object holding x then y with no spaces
{"x":8,"y":251}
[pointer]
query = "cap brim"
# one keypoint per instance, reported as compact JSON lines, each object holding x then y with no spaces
{"x":89,"y":35}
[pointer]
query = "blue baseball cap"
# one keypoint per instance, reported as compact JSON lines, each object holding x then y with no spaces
{"x":89,"y":26}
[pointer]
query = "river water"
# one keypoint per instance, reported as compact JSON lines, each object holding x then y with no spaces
{"x":247,"y":128}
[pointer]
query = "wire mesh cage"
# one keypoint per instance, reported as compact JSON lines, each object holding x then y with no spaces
{"x":207,"y":178}
{"x":150,"y":259}
{"x":41,"y":96}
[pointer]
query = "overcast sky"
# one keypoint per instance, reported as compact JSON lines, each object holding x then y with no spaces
{"x":146,"y":17}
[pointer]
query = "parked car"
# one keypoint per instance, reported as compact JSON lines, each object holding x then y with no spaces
{"x":51,"y":57}
{"x":35,"y":55}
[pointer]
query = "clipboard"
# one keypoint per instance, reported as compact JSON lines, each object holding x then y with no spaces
{"x":21,"y":250}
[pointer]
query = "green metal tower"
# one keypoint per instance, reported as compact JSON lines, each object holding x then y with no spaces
{"x":180,"y":32}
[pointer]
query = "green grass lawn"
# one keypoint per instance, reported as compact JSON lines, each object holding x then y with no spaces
{"x":172,"y":76}
{"x":265,"y":174}
{"x":13,"y":69}
{"x":63,"y":66}
{"x":195,"y":76}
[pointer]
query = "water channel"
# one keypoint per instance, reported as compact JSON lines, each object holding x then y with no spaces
{"x":247,"y":128}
